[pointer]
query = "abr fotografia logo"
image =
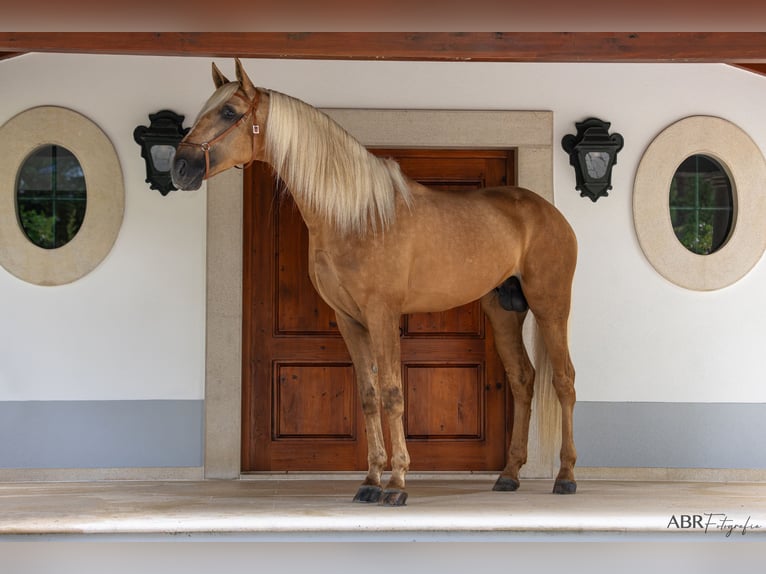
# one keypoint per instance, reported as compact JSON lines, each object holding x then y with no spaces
{"x":713,"y":521}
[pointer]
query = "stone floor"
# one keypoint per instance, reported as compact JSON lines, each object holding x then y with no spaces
{"x":438,"y":509}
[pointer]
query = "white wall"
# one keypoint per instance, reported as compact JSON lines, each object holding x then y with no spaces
{"x":134,"y":328}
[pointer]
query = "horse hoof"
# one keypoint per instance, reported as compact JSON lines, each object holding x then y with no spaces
{"x":506,"y":484}
{"x":564,"y":487}
{"x":368,"y":493}
{"x":393,"y":498}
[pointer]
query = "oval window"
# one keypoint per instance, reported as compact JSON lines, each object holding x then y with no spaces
{"x":701,"y":204}
{"x":50,"y":196}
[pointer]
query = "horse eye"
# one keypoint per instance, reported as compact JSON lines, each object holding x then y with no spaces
{"x":228,"y":113}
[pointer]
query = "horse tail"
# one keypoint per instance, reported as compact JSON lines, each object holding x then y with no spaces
{"x":545,"y":405}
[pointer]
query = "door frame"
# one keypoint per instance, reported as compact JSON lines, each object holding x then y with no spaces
{"x":530,"y":133}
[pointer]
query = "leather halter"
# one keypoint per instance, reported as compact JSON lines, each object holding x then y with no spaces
{"x":206,"y":146}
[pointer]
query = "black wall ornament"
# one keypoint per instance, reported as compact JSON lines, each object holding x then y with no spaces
{"x":593,"y":153}
{"x":158,"y":147}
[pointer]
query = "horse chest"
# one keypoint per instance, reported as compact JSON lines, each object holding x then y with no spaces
{"x":336,"y":280}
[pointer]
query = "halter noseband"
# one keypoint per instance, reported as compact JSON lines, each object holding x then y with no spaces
{"x":206,"y":146}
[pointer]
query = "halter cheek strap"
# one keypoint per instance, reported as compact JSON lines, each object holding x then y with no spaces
{"x":206,"y":146}
{"x":256,"y":131}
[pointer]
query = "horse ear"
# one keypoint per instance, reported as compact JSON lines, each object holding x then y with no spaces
{"x":244,"y":81}
{"x":218,"y":78}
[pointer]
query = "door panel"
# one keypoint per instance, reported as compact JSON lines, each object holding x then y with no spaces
{"x":444,"y":401}
{"x":300,"y":404}
{"x":463,"y":321}
{"x":299,"y":308}
{"x":314,"y":401}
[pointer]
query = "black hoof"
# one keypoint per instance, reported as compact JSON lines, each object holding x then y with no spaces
{"x":506,"y":484}
{"x":565,"y":487}
{"x":393,"y":498}
{"x":368,"y":493}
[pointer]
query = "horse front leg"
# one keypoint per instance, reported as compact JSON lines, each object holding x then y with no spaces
{"x":357,"y":340}
{"x":384,"y":333}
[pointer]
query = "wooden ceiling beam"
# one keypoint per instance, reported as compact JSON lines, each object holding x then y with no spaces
{"x":721,"y":47}
{"x":756,"y":68}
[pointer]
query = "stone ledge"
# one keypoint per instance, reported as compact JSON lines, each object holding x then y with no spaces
{"x":436,"y":510}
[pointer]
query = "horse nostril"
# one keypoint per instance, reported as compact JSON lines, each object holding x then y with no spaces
{"x":180,"y":167}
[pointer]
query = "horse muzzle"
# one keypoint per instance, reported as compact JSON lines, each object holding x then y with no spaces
{"x":188,"y":170}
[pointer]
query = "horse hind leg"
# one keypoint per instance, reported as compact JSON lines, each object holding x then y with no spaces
{"x":555,"y":335}
{"x":507,"y":328}
{"x":551,"y":309}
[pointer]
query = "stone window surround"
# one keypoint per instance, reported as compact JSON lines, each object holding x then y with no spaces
{"x":744,"y":163}
{"x":52,"y":125}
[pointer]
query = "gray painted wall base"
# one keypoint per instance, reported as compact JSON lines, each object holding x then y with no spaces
{"x":671,"y":435}
{"x":147,"y":434}
{"x":100,"y":434}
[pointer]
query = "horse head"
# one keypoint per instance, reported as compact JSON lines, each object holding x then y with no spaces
{"x":228,"y":131}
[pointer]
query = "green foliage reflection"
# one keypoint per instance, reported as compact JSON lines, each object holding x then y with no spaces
{"x":701,"y":205}
{"x":51,"y":196}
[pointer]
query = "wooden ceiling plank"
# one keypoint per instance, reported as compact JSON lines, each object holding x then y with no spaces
{"x":726,"y":47}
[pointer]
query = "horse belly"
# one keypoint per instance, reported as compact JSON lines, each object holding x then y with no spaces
{"x":433,"y":297}
{"x":463,"y":250}
{"x":457,"y":278}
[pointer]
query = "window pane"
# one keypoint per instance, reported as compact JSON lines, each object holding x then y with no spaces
{"x":69,"y":176}
{"x":51,"y":196}
{"x":701,"y":204}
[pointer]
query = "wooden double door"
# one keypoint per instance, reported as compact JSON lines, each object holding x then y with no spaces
{"x":301,"y":410}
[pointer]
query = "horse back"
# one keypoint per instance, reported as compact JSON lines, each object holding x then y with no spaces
{"x":532,"y":212}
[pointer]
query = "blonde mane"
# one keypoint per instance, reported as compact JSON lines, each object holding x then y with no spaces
{"x":326,"y":167}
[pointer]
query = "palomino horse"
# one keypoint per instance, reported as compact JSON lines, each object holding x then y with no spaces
{"x":381,"y":245}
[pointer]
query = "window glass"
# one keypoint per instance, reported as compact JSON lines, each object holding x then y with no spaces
{"x":701,"y":204}
{"x":50,"y":196}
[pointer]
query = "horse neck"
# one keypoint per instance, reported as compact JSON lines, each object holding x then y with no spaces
{"x":316,"y":223}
